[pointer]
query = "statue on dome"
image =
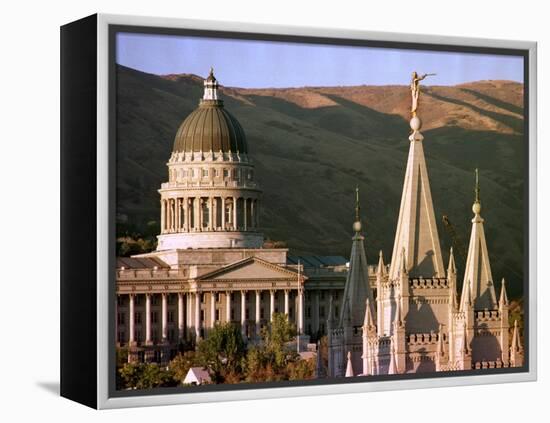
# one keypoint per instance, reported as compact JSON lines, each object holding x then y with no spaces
{"x":415,"y":90}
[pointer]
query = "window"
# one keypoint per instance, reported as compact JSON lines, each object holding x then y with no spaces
{"x":217,"y":315}
{"x":235,"y":173}
{"x":137,"y":317}
{"x":120,"y":318}
{"x":170,"y":316}
{"x":119,"y":300}
{"x":216,"y":172}
{"x":226,"y":173}
{"x":154,"y":299}
{"x":193,"y":173}
{"x":232,"y":314}
{"x":138,"y":300}
{"x":204,"y":173}
{"x":202,"y":297}
{"x":246,"y":314}
{"x":262,"y":313}
{"x":202,"y":316}
{"x":154,"y":317}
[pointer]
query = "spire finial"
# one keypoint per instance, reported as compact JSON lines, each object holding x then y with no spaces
{"x":210,"y":86}
{"x":451,"y":269}
{"x":476,"y":208}
{"x":357,"y":223}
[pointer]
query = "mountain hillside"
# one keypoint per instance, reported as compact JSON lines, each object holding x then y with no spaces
{"x":312,"y":145}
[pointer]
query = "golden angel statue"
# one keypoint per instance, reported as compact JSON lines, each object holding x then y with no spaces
{"x":415,"y":90}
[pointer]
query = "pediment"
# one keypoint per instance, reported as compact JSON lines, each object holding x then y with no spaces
{"x":251,"y":269}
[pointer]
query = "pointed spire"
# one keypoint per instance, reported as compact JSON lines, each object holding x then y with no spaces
{"x":381,"y":269}
{"x":369,"y":318}
{"x":451,"y":269}
{"x":478,"y":273}
{"x":357,"y":288}
{"x":349,"y":367}
{"x":416,"y":226}
{"x":347,"y":312}
{"x":503,"y":296}
{"x":516,"y":343}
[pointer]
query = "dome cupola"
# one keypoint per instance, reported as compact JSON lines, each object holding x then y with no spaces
{"x":210,"y":128}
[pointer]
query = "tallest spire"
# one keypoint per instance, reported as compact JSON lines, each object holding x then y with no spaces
{"x":416,"y":232}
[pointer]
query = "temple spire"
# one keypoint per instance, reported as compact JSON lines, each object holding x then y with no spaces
{"x":416,"y":226}
{"x":478,"y":276}
{"x":349,"y":367}
{"x":381,"y":269}
{"x":369,"y":315}
{"x":393,"y":366}
{"x":357,"y":288}
{"x":451,"y":269}
{"x":503,"y":301}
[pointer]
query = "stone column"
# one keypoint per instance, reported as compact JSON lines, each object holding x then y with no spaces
{"x":252,"y":214}
{"x":214,"y":213}
{"x":162,"y":216}
{"x":196,"y":215}
{"x":147,"y":319}
{"x":210,"y":214}
{"x":131,"y":340}
{"x":235,"y":213}
{"x":258,"y":313}
{"x":223,"y":213}
{"x":197,"y":315}
{"x":188,"y":314}
{"x":286,"y":303}
{"x":180,"y":316}
{"x":271,"y":303}
{"x":300,"y":319}
{"x":243,"y":313}
{"x":228,"y":306}
{"x":177,"y":214}
{"x":212,"y":309}
{"x":245,"y":217}
{"x":164,"y":317}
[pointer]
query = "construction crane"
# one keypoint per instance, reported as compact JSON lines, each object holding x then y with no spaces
{"x":458,"y":246}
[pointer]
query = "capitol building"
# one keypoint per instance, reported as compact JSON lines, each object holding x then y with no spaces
{"x":211,"y":266}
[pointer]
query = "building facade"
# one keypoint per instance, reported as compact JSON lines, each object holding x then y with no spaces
{"x":412,"y":318}
{"x":210,"y":265}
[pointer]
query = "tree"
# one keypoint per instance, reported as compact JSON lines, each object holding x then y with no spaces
{"x":222,"y":351}
{"x":145,"y":376}
{"x":301,"y":369}
{"x":277,"y":334}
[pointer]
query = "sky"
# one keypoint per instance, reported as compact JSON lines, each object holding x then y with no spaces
{"x":261,"y":64}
